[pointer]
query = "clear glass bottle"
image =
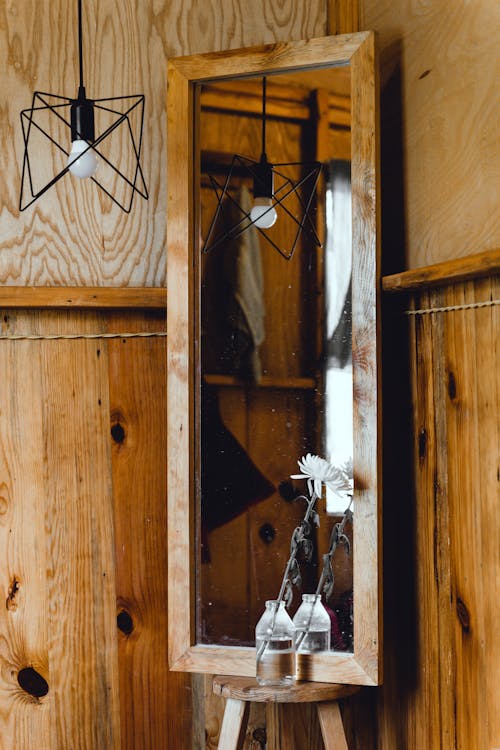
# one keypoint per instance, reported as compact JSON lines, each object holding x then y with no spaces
{"x":275,"y":646}
{"x":312,"y":626}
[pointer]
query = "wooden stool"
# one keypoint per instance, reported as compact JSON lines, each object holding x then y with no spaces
{"x":239,"y":692}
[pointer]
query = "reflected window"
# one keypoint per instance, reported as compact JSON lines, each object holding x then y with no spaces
{"x":338,"y":427}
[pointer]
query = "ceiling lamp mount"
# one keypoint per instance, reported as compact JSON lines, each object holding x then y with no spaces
{"x":85,"y":154}
{"x":276,"y":192}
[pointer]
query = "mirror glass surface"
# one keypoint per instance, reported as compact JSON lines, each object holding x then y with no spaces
{"x":273,"y":349}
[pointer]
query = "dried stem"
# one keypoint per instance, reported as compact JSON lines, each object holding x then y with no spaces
{"x":335,"y":537}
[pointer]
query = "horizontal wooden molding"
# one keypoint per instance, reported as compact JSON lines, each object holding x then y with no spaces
{"x":449,"y":272}
{"x":83,"y":297}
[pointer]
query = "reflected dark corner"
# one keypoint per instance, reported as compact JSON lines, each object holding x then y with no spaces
{"x":276,"y":361}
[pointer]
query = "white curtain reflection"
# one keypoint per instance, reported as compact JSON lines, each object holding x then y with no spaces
{"x":338,"y":432}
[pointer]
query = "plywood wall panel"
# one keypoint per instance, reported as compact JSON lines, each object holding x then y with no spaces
{"x":74,"y":235}
{"x":439,"y":116}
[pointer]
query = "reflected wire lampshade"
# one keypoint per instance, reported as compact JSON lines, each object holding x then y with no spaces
{"x":281,"y":192}
{"x":46,"y":123}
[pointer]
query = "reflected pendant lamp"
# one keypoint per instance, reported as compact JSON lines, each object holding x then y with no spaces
{"x":81,"y":152}
{"x":281,"y":193}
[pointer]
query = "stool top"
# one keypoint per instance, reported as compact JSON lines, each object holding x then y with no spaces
{"x":247,"y":689}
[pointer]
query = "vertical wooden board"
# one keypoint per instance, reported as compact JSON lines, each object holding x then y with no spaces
{"x":154,"y":703}
{"x":441,"y":539}
{"x":466,"y":465}
{"x":25,"y":720}
{"x":343,"y":16}
{"x":487,"y":367}
{"x":79,"y":531}
{"x":293,"y":725}
{"x":425,"y":701}
{"x":487,"y":364}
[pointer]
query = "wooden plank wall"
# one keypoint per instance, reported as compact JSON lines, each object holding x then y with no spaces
{"x":442,"y":558}
{"x":437,"y":145}
{"x":76,"y":503}
{"x":82,"y":535}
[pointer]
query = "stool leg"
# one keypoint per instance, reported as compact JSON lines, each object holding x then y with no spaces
{"x":332,"y":728}
{"x":234,"y":724}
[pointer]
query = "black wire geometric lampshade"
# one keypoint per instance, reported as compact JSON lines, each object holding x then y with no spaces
{"x":46,"y":125}
{"x":282,"y":192}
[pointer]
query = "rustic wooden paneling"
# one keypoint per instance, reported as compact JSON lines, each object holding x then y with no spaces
{"x":137,"y":401}
{"x":24,"y":610}
{"x":74,"y":235}
{"x":82,"y":536}
{"x":61,"y":615}
{"x":439,"y":127}
{"x":441,"y":652}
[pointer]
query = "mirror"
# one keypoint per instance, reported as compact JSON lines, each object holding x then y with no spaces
{"x":271,"y":358}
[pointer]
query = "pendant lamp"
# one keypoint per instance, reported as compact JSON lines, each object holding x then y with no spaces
{"x":279,"y":195}
{"x":70,"y":126}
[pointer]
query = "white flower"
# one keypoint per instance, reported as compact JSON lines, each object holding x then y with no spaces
{"x":318,"y":471}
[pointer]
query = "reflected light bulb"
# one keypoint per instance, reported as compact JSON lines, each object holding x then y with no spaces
{"x":82,"y":166}
{"x":263,"y":214}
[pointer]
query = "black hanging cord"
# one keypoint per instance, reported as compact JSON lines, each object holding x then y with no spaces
{"x":264,"y":86}
{"x":80,"y":48}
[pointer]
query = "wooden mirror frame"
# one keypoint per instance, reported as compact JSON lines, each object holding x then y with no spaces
{"x":363,"y":666}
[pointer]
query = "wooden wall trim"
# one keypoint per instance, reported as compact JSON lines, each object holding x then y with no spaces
{"x":77,"y":297}
{"x":342,"y":16}
{"x":440,"y":274}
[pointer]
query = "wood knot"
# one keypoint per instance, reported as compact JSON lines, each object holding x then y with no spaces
{"x":118,"y":432}
{"x":452,"y":386}
{"x":11,"y":602}
{"x":124,"y":622}
{"x":287,"y":491}
{"x":463,"y":615}
{"x":422,"y":443}
{"x":32,"y":682}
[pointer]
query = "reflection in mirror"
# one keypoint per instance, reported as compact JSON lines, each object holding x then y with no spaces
{"x":275,"y":349}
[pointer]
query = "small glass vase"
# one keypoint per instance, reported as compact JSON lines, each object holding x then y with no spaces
{"x":312,"y":626}
{"x":275,"y":646}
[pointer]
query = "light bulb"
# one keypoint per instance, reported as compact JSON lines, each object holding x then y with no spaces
{"x":263,"y":213}
{"x":82,"y":166}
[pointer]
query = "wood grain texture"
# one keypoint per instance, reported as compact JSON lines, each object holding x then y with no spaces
{"x":82,"y":527}
{"x":332,"y":729}
{"x":234,"y":724}
{"x":342,"y":16}
{"x":441,"y":649}
{"x":137,"y":401}
{"x":74,"y":235}
{"x":242,"y":688}
{"x":24,"y":611}
{"x":59,"y":502}
{"x":440,"y":274}
{"x":439,"y":114}
{"x":289,"y":726}
{"x":82,"y":297}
